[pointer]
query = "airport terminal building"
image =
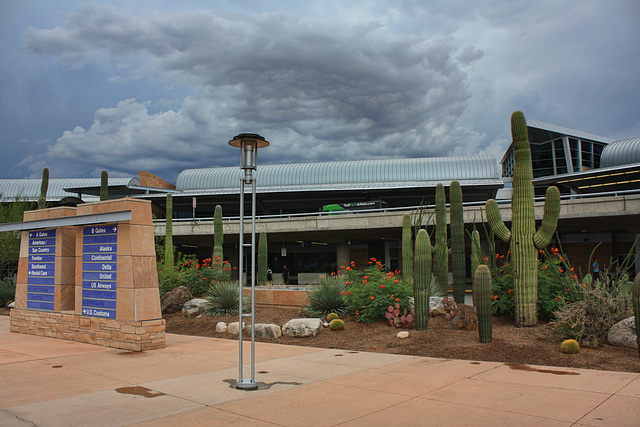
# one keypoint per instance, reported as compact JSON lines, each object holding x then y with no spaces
{"x":321,"y":214}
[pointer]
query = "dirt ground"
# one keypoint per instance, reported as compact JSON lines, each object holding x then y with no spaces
{"x":522,"y":346}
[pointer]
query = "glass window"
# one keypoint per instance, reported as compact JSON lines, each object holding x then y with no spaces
{"x":561,"y":161}
{"x":542,"y":159}
{"x":575,"y":154}
{"x":597,"y":152}
{"x":587,"y":154}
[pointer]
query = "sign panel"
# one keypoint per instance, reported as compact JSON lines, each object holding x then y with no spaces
{"x":99,"y":270}
{"x":41,"y":270}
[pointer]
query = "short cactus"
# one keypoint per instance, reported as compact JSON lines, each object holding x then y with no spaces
{"x":482,"y":301}
{"x":336,"y":325}
{"x":332,"y":316}
{"x":570,"y":347}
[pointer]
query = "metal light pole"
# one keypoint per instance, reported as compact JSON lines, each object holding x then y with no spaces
{"x":248,"y":144}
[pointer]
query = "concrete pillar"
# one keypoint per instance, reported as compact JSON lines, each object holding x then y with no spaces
{"x":343,"y":255}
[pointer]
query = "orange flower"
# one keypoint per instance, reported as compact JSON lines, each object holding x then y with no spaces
{"x":347,"y":283}
{"x":397,"y":299}
{"x":396,"y":281}
{"x":382,"y":286}
{"x":372,"y":297}
{"x":364,"y":282}
{"x":342,"y":293}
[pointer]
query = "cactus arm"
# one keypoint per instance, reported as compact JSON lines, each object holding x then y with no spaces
{"x":543,"y":236}
{"x":495,"y":221}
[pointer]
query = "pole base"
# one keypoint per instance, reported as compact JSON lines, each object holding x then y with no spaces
{"x":246,"y":384}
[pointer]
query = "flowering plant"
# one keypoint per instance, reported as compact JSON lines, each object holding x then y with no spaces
{"x":371,"y":291}
{"x":198,"y":276}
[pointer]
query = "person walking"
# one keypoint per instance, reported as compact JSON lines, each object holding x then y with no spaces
{"x":285,"y":275}
{"x":596,"y":270}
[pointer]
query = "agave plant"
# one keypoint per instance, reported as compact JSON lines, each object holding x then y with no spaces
{"x":224,"y":300}
{"x":327,"y":298}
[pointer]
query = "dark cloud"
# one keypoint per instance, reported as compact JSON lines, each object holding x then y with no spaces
{"x":326,"y":89}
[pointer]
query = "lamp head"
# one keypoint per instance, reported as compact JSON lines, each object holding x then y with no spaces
{"x":249,"y":144}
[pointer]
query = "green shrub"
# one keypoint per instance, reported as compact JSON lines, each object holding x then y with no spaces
{"x":327,"y":298}
{"x":7,"y":291}
{"x":199,"y":276}
{"x":336,"y":325}
{"x":372,"y":291}
{"x":224,"y":300}
{"x":570,"y":347}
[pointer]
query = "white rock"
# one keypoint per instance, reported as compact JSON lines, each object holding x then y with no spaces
{"x":302,"y":327}
{"x":402,"y":334}
{"x":234,"y":328}
{"x":12,"y":304}
{"x":266,"y":330}
{"x":221,"y":327}
{"x":325,"y":324}
{"x":623,"y":333}
{"x":435,"y":303}
{"x":194,"y":307}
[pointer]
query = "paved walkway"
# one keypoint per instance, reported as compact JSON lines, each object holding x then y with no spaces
{"x":51,"y":382}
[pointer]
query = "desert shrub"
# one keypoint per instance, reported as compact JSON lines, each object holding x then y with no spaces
{"x":169,"y":278}
{"x":7,"y":291}
{"x":224,"y":300}
{"x":327,"y":298}
{"x":590,"y":317}
{"x":372,"y":291}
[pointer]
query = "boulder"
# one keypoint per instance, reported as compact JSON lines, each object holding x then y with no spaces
{"x":302,"y":327}
{"x":194,"y":307}
{"x":623,"y":333}
{"x":221,"y":327}
{"x":172,"y":301}
{"x":234,"y":328}
{"x":266,"y":330}
{"x":435,"y":303}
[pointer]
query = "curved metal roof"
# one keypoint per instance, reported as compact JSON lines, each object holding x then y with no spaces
{"x":29,"y":189}
{"x":623,"y":152}
{"x":345,"y":173}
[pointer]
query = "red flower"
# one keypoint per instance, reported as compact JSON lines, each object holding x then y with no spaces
{"x":396,"y":281}
{"x":372,"y":297}
{"x":382,"y":286}
{"x":397,"y":299}
{"x":347,"y":283}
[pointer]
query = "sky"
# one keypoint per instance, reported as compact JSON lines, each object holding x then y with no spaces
{"x":162,"y":86}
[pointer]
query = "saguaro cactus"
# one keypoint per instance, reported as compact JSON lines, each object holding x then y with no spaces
{"x":635,"y":295}
{"x":482,"y":299}
{"x":525,"y":240}
{"x":441,"y":253}
{"x":42,"y":200}
{"x":218,"y":236}
{"x":104,"y":186}
{"x":168,"y":242}
{"x":422,"y":279}
{"x":476,"y":257}
{"x":262,"y":257}
{"x":458,"y":265}
{"x":407,"y":248}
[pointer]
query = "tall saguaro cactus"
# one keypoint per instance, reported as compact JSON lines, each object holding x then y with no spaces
{"x":476,"y":258}
{"x":104,"y":186}
{"x":441,"y":252}
{"x":458,"y":265}
{"x":635,"y":296}
{"x":422,"y":279}
{"x":482,"y":297}
{"x":407,"y":248}
{"x":168,"y":242}
{"x":218,"y":236}
{"x":42,"y":200}
{"x":262,"y":257}
{"x":525,"y":240}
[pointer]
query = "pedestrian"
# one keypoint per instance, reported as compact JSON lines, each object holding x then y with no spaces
{"x":285,"y":275}
{"x":269,"y":275}
{"x":596,"y":270}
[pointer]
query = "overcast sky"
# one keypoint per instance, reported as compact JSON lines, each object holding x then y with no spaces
{"x":163,"y":86}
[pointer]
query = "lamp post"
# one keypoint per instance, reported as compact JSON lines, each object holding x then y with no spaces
{"x":248,"y":144}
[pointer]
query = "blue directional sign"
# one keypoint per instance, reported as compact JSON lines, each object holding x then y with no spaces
{"x":41,"y":271}
{"x":99,"y":270}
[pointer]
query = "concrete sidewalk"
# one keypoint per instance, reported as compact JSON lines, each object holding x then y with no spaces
{"x":51,"y":382}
